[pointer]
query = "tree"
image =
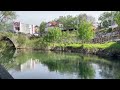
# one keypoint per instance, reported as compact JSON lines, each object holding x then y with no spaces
{"x":67,"y":21}
{"x":54,"y":34}
{"x":105,"y":24}
{"x":85,"y":30}
{"x":117,"y":17}
{"x":107,"y":19}
{"x":6,"y":17}
{"x":86,"y":17}
{"x":71,"y":22}
{"x":42,"y":27}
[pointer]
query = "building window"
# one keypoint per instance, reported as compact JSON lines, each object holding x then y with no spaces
{"x":17,"y":28}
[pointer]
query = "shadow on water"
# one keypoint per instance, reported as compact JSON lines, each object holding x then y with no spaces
{"x":83,"y":66}
{"x":6,"y":57}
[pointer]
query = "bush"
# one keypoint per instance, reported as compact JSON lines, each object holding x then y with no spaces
{"x":2,"y":44}
{"x":109,"y":30}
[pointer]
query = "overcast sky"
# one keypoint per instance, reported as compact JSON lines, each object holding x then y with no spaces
{"x":36,"y":17}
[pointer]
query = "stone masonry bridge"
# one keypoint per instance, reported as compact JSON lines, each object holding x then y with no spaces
{"x":115,"y":36}
{"x":11,"y":42}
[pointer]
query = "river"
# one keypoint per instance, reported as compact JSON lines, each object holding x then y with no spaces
{"x":26,"y":64}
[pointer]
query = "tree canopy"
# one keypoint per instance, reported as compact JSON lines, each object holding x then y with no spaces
{"x":53,"y":34}
{"x":71,"y":21}
{"x":117,"y":17}
{"x":6,"y":17}
{"x":85,"y":30}
{"x":107,"y":19}
{"x":42,"y":27}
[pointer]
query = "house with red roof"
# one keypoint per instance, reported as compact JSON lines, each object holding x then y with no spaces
{"x":53,"y":24}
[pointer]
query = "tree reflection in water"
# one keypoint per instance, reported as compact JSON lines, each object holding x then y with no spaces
{"x":64,"y":63}
{"x":6,"y":57}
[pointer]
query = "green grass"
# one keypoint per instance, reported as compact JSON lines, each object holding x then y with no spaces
{"x":91,"y":46}
{"x":100,"y":46}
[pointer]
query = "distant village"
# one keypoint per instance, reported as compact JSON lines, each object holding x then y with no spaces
{"x":19,"y":27}
{"x":34,"y":29}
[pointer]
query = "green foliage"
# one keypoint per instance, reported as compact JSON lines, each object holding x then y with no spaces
{"x":21,"y":39}
{"x":37,"y":43}
{"x":54,"y":34}
{"x":85,"y":31}
{"x":112,"y":45}
{"x":109,"y":30}
{"x":107,"y":18}
{"x":105,"y":24}
{"x":86,"y":17}
{"x":117,"y":18}
{"x":42,"y":27}
{"x":67,"y":21}
{"x":2,"y":46}
{"x":71,"y":22}
{"x":5,"y":18}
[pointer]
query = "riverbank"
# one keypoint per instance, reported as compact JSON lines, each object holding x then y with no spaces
{"x":110,"y":49}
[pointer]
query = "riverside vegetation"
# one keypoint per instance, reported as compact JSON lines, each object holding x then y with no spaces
{"x":71,"y":41}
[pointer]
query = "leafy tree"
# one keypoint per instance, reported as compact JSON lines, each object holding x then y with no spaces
{"x":105,"y":24}
{"x":42,"y":27}
{"x":107,"y":18}
{"x":86,"y":17}
{"x":6,"y":17}
{"x":67,"y":21}
{"x":117,"y":17}
{"x":71,"y":22}
{"x":54,"y":34}
{"x":85,"y":30}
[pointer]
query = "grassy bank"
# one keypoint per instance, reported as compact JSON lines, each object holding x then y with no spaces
{"x":106,"y":49}
{"x":113,"y":45}
{"x":38,"y":43}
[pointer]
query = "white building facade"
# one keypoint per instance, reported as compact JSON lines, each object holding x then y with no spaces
{"x":24,"y":28}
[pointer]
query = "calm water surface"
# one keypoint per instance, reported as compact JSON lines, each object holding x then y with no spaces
{"x":51,"y":65}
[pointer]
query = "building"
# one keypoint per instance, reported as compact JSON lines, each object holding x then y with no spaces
{"x":24,"y":28}
{"x":53,"y":24}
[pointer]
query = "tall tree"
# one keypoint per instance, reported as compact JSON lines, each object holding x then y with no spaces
{"x":70,"y":22}
{"x":107,"y":18}
{"x":86,"y":17}
{"x":85,"y":30}
{"x":42,"y":27}
{"x":117,"y":17}
{"x":67,"y":21}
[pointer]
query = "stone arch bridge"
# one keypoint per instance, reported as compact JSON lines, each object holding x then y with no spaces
{"x":9,"y":41}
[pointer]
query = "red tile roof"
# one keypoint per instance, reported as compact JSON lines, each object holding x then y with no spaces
{"x":53,"y":23}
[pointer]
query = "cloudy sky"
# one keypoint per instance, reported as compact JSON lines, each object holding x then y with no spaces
{"x":36,"y":17}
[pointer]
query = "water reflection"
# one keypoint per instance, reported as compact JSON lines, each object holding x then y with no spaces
{"x":7,"y":57}
{"x":49,"y":65}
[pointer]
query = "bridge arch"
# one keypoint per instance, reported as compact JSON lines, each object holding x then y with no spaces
{"x":9,"y":41}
